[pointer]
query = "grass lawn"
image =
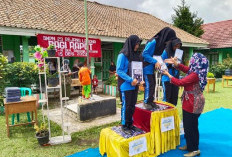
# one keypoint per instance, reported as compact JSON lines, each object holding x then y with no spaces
{"x":23,"y":142}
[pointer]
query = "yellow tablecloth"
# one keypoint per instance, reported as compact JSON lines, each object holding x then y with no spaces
{"x":115,"y":145}
{"x":158,"y":142}
{"x":162,"y":142}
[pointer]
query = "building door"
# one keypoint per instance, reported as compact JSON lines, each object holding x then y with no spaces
{"x":107,"y":56}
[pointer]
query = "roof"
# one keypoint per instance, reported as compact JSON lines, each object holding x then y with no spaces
{"x":68,"y":16}
{"x":218,"y":34}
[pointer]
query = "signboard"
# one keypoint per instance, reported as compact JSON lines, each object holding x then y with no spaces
{"x":70,"y":46}
{"x":137,"y":70}
{"x":160,"y":60}
{"x":167,"y":124}
{"x":137,"y":146}
{"x":179,"y":54}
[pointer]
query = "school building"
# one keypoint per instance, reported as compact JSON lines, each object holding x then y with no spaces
{"x":219,"y":36}
{"x":21,"y":20}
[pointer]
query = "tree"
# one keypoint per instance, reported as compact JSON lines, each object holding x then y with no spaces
{"x":186,"y":20}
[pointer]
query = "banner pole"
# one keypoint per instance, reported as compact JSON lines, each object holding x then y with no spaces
{"x":87,"y":40}
{"x":86,"y":32}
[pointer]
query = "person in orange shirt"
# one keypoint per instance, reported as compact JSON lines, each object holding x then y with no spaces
{"x":85,"y":80}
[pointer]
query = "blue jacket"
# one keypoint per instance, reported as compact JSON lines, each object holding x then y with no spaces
{"x":148,"y":53}
{"x":172,"y":71}
{"x":122,"y":70}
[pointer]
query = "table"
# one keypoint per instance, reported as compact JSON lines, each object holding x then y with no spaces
{"x":226,"y":77}
{"x":161,"y":141}
{"x":76,"y":83}
{"x":211,"y":81}
{"x":114,"y":145}
{"x":27,"y":104}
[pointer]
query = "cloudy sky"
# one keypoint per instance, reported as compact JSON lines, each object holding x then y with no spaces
{"x":209,"y":10}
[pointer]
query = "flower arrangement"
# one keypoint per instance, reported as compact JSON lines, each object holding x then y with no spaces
{"x":51,"y":47}
{"x":39,"y":55}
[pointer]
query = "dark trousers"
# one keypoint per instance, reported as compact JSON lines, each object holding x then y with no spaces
{"x":190,"y":122}
{"x":129,"y":99}
{"x":170,"y":92}
{"x":149,"y":88}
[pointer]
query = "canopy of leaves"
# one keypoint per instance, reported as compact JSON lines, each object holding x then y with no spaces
{"x":186,"y":20}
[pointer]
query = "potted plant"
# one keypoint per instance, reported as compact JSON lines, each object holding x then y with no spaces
{"x":228,"y":71}
{"x":228,"y":63}
{"x":210,"y":78}
{"x":42,"y":134}
{"x":53,"y":79}
{"x":51,"y":51}
{"x":39,"y":55}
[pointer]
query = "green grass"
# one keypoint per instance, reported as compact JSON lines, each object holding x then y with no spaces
{"x":23,"y":142}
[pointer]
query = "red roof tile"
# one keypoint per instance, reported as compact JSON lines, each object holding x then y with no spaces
{"x":218,"y":34}
{"x":68,"y":16}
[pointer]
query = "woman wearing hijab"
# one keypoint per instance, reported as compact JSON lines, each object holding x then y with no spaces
{"x":128,"y":86}
{"x":68,"y":79}
{"x":112,"y":69}
{"x":155,"y":46}
{"x":170,"y":90}
{"x":192,"y":99}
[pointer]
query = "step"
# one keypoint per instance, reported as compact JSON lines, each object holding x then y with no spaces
{"x":91,"y":109}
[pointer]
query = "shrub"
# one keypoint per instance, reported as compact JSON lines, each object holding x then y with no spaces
{"x":210,"y":75}
{"x":22,"y":74}
{"x":219,"y":69}
{"x":3,"y":64}
{"x":112,"y":81}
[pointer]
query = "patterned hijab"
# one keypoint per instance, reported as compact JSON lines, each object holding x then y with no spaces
{"x":200,"y":65}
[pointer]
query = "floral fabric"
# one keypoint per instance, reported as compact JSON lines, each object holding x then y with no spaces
{"x":200,"y":65}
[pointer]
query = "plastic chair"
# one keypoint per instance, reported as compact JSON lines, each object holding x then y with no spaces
{"x":23,"y":91}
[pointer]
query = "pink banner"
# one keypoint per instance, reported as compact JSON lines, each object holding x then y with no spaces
{"x":70,"y":46}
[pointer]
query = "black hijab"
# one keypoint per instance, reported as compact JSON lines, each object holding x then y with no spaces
{"x":128,"y":48}
{"x":170,"y":45}
{"x":166,"y":34}
{"x":112,"y":67}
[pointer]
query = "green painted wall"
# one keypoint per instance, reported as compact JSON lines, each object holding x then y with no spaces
{"x":223,"y":52}
{"x":220,"y":57}
{"x":116,"y":49}
{"x":190,"y":52}
{"x":12,"y":42}
{"x":25,"y":49}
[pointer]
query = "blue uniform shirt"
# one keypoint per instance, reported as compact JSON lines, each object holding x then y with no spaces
{"x":147,"y":54}
{"x":121,"y":70}
{"x":172,"y":71}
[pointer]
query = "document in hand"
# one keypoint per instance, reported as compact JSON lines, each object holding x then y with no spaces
{"x":160,"y":60}
{"x":137,"y":70}
{"x":179,"y":55}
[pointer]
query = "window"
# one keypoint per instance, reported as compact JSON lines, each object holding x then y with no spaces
{"x":214,"y":59}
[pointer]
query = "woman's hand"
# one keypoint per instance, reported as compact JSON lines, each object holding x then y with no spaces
{"x":157,"y":65}
{"x":142,"y":83}
{"x":172,"y":61}
{"x":165,"y":72}
{"x":134,"y":82}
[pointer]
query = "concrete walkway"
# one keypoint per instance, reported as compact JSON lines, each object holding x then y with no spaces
{"x":75,"y":126}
